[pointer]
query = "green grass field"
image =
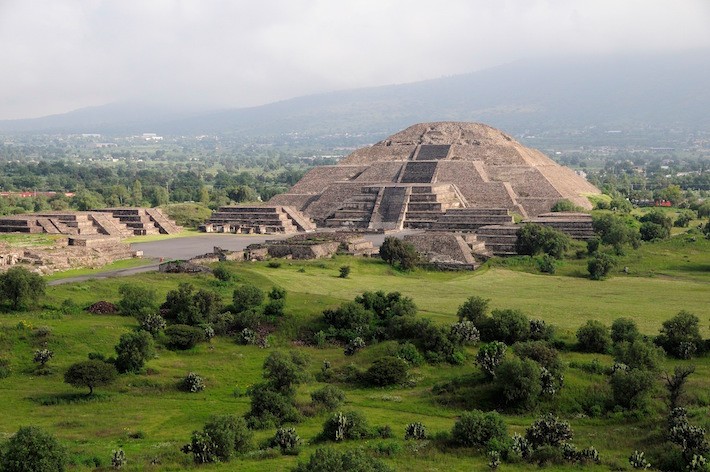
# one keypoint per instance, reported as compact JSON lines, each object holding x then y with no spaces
{"x":663,"y":279}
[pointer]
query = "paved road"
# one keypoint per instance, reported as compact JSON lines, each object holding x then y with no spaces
{"x":188,"y":247}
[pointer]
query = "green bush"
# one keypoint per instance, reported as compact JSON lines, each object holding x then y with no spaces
{"x":474,"y":309}
{"x":565,"y":205}
{"x":639,"y":354}
{"x":246,"y":297}
{"x":329,"y":397}
{"x":600,"y":265}
{"x":409,"y":353}
{"x":593,"y":336}
{"x":680,"y":336}
{"x":631,"y":387}
{"x":388,"y":370}
{"x":221,"y":438}
{"x":5,"y":369}
{"x":341,"y":426}
{"x":542,"y":353}
{"x":133,"y":350}
{"x":91,"y":373}
{"x":507,"y":326}
{"x":20,"y":287}
{"x":477,"y":429}
{"x":136,"y":300}
{"x":222,"y":273}
{"x":490,"y":356}
{"x":287,"y":440}
{"x":344,"y":272}
{"x":548,"y":431}
{"x":398,"y":253}
{"x":518,"y":383}
{"x":270,"y":407}
{"x":182,"y":337}
{"x":624,"y":329}
{"x":534,"y":239}
{"x":32,"y":450}
{"x":188,"y":306}
{"x":331,"y":460}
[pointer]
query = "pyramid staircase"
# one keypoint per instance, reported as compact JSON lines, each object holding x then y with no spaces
{"x":259,"y":219}
{"x":428,"y":203}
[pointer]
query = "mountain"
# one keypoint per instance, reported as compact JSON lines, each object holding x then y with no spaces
{"x":631,"y":92}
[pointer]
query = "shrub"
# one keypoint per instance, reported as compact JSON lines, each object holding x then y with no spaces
{"x":464,"y":332}
{"x":683,"y":219}
{"x":630,"y":387}
{"x":615,"y":231}
{"x":388,"y":370}
{"x":519,"y":383}
{"x":354,"y":345}
{"x":153,"y":323}
{"x":330,"y":397}
{"x":118,"y":459}
{"x":42,"y":356}
{"x":415,"y":431}
{"x":132,"y":350}
{"x":398,"y":253}
{"x":187,"y":306}
{"x":490,"y":356}
{"x":247,"y":297}
{"x":548,"y":431}
{"x":474,"y":309}
{"x":565,"y":205}
{"x":593,"y":336}
{"x":283,"y":371}
{"x":650,"y":231}
{"x":546,"y":264}
{"x":600,"y":265}
{"x":136,"y":300}
{"x":91,"y":373}
{"x":182,"y":337}
{"x":477,"y":429}
{"x":680,"y":335}
{"x":287,"y":440}
{"x":350,"y":320}
{"x":541,"y":352}
{"x":508,"y":326}
{"x":541,"y":331}
{"x":624,"y":329}
{"x":222,"y":273}
{"x":32,"y":450}
{"x":639,"y":354}
{"x":410,"y":354}
{"x":344,"y":272}
{"x":348,"y":425}
{"x":387,"y":306}
{"x":354,"y":460}
{"x":5,"y":369}
{"x":270,"y":407}
{"x":220,"y":438}
{"x":20,"y":287}
{"x":534,"y":239}
{"x":192,"y":383}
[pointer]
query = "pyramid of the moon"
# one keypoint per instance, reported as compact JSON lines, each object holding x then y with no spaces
{"x":435,"y":175}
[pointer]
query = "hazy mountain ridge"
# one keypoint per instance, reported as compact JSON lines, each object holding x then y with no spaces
{"x":636,"y":91}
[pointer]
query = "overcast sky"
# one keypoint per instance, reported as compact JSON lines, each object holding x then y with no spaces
{"x":60,"y":55}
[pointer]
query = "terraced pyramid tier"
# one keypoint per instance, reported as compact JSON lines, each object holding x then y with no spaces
{"x":479,"y":166}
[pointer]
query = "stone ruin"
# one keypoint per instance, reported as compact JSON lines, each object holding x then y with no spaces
{"x":119,"y":222}
{"x":312,"y":246}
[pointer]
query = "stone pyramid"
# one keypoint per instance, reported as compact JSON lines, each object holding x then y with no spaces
{"x":434,"y":173}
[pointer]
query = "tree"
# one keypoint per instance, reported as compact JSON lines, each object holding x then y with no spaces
{"x":680,"y":336}
{"x":284,"y":371}
{"x":655,"y":224}
{"x":630,"y":387}
{"x":600,"y":265}
{"x":615,"y":231}
{"x":624,"y":329}
{"x":136,"y":300}
{"x":388,"y":370}
{"x":477,"y":429}
{"x":183,"y":337}
{"x":518,"y":382}
{"x":593,"y":336}
{"x":398,"y":253}
{"x":33,"y":450}
{"x":675,"y":384}
{"x":247,"y":297}
{"x":185,"y":306}
{"x":534,"y":239}
{"x":133,"y":349}
{"x":19,"y":286}
{"x":508,"y":326}
{"x":91,"y":373}
{"x":474,"y":309}
{"x":242,"y":193}
{"x":137,"y":193}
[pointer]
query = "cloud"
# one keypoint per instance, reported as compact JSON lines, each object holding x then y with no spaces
{"x":59,"y":55}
